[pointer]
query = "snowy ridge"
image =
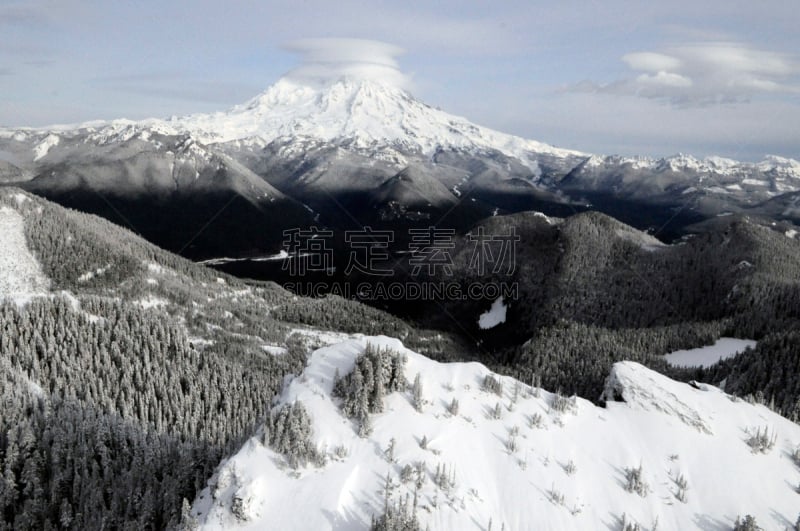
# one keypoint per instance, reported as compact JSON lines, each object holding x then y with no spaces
{"x":533,"y":465}
{"x":44,"y":146}
{"x":680,"y":162}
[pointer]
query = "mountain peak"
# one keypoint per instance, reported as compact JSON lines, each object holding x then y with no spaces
{"x":359,"y":113}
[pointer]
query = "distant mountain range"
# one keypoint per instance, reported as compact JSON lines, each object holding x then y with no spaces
{"x":355,"y":152}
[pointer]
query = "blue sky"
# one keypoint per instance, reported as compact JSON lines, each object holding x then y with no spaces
{"x":652,"y":78}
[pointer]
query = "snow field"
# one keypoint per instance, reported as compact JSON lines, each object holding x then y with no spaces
{"x":569,"y":472}
{"x":21,"y":277}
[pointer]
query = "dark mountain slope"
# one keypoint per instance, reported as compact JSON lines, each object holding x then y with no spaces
{"x":591,"y":290}
{"x":124,"y":387}
{"x":170,"y":190}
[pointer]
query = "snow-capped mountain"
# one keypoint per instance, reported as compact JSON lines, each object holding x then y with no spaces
{"x":330,"y":151}
{"x":365,"y":115}
{"x":480,"y":451}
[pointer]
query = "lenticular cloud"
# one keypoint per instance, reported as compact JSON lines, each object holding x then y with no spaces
{"x":328,"y":60}
{"x":705,"y":72}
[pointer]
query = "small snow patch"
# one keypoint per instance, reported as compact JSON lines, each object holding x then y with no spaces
{"x":280,"y":255}
{"x":152,"y":301}
{"x":495,"y":315}
{"x":153,"y":267}
{"x":791,"y":233}
{"x":201,"y":342}
{"x":724,"y":348}
{"x":86,"y":277}
{"x":274,"y":350}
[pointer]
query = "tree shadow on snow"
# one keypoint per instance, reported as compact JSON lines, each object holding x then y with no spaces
{"x":345,"y":520}
{"x":784,"y":523}
{"x":709,"y":523}
{"x":614,"y":523}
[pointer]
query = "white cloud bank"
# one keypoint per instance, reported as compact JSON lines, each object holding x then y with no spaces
{"x":330,"y":59}
{"x":704,"y":73}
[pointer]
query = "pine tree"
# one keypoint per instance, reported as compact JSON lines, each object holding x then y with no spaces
{"x":188,"y":520}
{"x":416,"y":392}
{"x":390,"y":450}
{"x":453,"y":407}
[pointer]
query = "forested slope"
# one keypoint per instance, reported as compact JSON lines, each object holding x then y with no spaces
{"x":125,"y":386}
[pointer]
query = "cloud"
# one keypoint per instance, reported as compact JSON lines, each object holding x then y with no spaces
{"x":605,"y":123}
{"x":703,"y":73}
{"x":328,"y":60}
{"x":651,"y":62}
{"x":664,"y":79}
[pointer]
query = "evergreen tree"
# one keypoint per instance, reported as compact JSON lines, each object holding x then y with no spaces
{"x":416,"y":392}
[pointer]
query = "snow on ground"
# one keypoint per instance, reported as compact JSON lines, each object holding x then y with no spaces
{"x":724,"y":348}
{"x":86,"y":277}
{"x":642,"y":239}
{"x":494,"y":316}
{"x":281,"y":255}
{"x":200,"y":342}
{"x":20,"y":198}
{"x":153,"y":267}
{"x":791,"y":233}
{"x":533,"y":468}
{"x":314,"y":336}
{"x":151,"y":301}
{"x":21,"y":277}
{"x":274,"y":350}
